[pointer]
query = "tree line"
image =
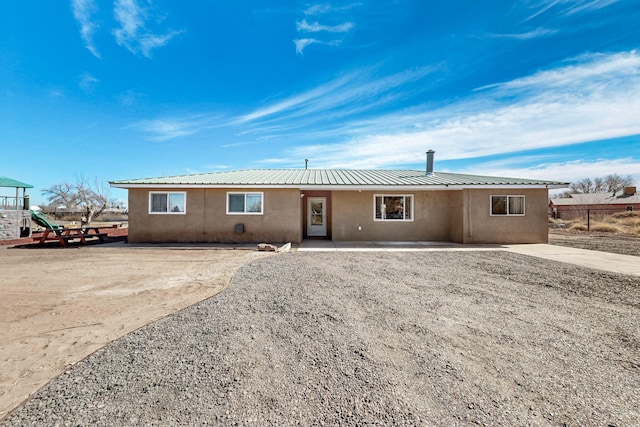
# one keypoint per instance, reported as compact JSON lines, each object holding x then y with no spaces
{"x":607,"y":184}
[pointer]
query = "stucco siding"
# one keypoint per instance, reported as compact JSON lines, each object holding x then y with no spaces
{"x":206,"y":219}
{"x":481,"y":227}
{"x":353,"y":209}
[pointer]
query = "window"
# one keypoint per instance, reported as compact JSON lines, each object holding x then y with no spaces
{"x":393,"y":207}
{"x":244,"y":203}
{"x":507,"y":205}
{"x":167,"y":203}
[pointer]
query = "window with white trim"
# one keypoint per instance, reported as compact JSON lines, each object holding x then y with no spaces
{"x":393,"y":207}
{"x":167,"y":202}
{"x":507,"y":205}
{"x":244,"y":203}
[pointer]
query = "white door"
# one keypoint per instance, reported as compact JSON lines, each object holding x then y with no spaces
{"x":317,"y":216}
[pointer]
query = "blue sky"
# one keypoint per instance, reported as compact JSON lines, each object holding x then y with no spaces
{"x":140,"y":88}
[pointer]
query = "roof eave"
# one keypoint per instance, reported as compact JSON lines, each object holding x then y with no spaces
{"x":325,"y":187}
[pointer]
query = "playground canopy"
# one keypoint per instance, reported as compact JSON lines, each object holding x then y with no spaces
{"x":12,"y":183}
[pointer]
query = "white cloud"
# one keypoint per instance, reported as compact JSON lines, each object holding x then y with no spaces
{"x":317,"y":9}
{"x":323,"y":32}
{"x":315,"y":27}
{"x":83,"y":11}
{"x":579,"y":6}
{"x":571,"y":171}
{"x":568,"y":7}
{"x":593,"y":98}
{"x":87,"y":82}
{"x":301,"y":44}
{"x":133,"y":33}
{"x":534,"y":34}
{"x":341,"y":97}
{"x":175,"y":127}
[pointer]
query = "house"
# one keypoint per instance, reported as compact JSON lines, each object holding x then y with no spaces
{"x":15,"y":216}
{"x":582,"y":206}
{"x":289,"y":205}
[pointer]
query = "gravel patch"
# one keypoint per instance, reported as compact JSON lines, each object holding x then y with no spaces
{"x":437,"y":338}
{"x":623,"y":244}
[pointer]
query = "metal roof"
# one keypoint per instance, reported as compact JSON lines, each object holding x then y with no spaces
{"x":330,"y":178}
{"x":8,"y":182}
{"x":596,"y":199}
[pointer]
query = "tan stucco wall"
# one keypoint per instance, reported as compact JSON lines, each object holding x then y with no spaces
{"x":461,"y":216}
{"x":480,"y":227}
{"x":206,"y":220}
{"x":432,"y":217}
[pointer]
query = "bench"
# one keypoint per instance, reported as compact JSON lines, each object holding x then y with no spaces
{"x":64,"y":236}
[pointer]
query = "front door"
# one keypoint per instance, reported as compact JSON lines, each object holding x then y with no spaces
{"x":317,"y":216}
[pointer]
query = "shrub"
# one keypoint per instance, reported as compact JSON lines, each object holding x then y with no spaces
{"x":606,"y":228}
{"x":626,"y":214}
{"x":578,"y":227}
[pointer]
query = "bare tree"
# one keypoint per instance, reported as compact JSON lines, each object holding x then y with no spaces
{"x":91,"y":197}
{"x":614,"y":183}
{"x":607,"y":184}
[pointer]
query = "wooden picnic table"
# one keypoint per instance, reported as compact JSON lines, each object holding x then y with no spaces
{"x":64,"y":235}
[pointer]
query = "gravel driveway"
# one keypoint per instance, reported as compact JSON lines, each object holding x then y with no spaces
{"x":428,"y":338}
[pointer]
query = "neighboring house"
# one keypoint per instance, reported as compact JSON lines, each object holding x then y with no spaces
{"x":289,"y":205}
{"x":15,"y":216}
{"x":587,"y":205}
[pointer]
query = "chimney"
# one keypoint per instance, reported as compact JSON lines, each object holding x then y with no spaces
{"x":430,"y":154}
{"x":629,"y":191}
{"x":306,"y":163}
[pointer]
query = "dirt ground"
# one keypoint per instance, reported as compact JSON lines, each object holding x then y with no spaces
{"x":625,"y":244}
{"x":58,"y":305}
{"x":439,"y":338}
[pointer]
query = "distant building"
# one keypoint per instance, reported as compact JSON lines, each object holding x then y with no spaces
{"x":594,"y":204}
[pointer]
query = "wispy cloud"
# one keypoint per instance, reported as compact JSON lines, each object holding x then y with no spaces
{"x":568,"y":171}
{"x":317,"y":9}
{"x":345,"y":123}
{"x":591,"y":98}
{"x":322,"y":31}
{"x":87,"y":82}
{"x":168,"y":128}
{"x":83,"y":11}
{"x":315,"y":27}
{"x":301,"y":44}
{"x":580,"y":6}
{"x":567,"y":7}
{"x":133,"y":33}
{"x":534,"y":34}
{"x":342,"y":97}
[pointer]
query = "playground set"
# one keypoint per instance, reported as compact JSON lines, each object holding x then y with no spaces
{"x":15,"y":215}
{"x":17,"y":219}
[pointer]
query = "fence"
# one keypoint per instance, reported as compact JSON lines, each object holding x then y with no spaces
{"x":588,"y":215}
{"x":12,"y":203}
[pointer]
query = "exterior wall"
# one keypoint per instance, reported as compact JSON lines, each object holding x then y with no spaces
{"x":15,"y":224}
{"x":461,"y":216}
{"x":206,"y":219}
{"x":481,"y":227}
{"x":432,"y":217}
